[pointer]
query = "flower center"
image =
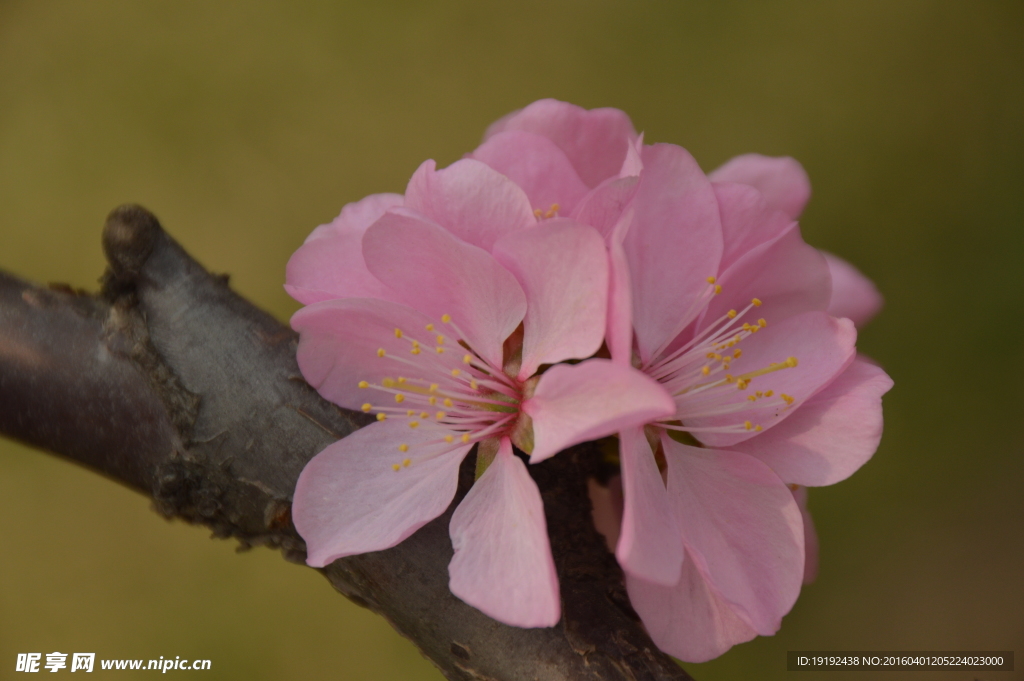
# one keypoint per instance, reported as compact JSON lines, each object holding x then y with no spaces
{"x":461,"y":399}
{"x":698,"y":373}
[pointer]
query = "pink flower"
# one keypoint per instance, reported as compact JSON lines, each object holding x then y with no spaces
{"x":713,"y":540}
{"x":759,"y":405}
{"x":435,"y":311}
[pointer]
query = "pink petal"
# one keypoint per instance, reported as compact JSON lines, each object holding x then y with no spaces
{"x":788,"y":276}
{"x":673,"y":245}
{"x":350,"y":500}
{"x":742,"y":528}
{"x":438,"y":274}
{"x":338,"y":344}
{"x":649,"y":546}
{"x":535,"y":164}
{"x":332,"y":266}
{"x":854,"y":296}
{"x":359,"y":215}
{"x":782,"y":180}
{"x":620,"y":297}
{"x":633,"y":163}
{"x":574,"y":403}
{"x":810,"y":535}
{"x":689,"y":620}
{"x":330,"y":263}
{"x":595,"y":141}
{"x":502,"y":564}
{"x":747,"y":220}
{"x":563,"y":269}
{"x":823,"y":347}
{"x":472,"y":201}
{"x":603,"y":207}
{"x":832,"y":434}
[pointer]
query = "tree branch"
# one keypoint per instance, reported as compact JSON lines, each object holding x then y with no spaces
{"x":172,"y":384}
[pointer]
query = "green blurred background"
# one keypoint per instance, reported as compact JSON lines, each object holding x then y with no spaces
{"x":245,"y":125}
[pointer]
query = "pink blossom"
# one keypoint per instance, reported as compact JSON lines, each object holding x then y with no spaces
{"x":713,"y":543}
{"x":769,"y":403}
{"x":435,"y":311}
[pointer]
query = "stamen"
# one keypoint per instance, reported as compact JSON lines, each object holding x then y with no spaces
{"x":366,"y":407}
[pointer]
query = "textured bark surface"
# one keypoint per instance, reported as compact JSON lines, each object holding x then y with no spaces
{"x":170,"y":383}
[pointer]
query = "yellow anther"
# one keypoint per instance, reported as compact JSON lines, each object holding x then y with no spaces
{"x":755,"y":329}
{"x":465,"y":438}
{"x":752,"y":398}
{"x":401,"y":380}
{"x":440,"y":350}
{"x":424,"y":414}
{"x":467,"y":358}
{"x":756,"y":302}
{"x":455,"y":372}
{"x":748,"y":425}
{"x":712,"y":355}
{"x":736,"y":354}
{"x":758,"y":428}
{"x":430,"y":327}
{"x":791,"y":362}
{"x":788,"y":399}
{"x":440,"y":339}
{"x":406,"y":462}
{"x":440,"y":415}
{"x":759,"y":393}
{"x":742,"y":383}
{"x":449,"y":438}
{"x":446,"y":318}
{"x":711,"y":280}
{"x":403,"y":448}
{"x":414,"y":424}
{"x":388,"y":383}
{"x":731,"y":314}
{"x":432,"y":400}
{"x":472,"y":383}
{"x":447,"y":402}
{"x":415,"y":343}
{"x":381,"y":416}
{"x":410,"y":412}
{"x":364,"y":384}
{"x":399,"y":398}
{"x":769,"y":393}
{"x":718,"y":289}
{"x":729,"y":378}
{"x":395,"y":467}
{"x":366,"y":407}
{"x":762,"y":322}
{"x":747,"y":327}
{"x":537,"y":212}
{"x":434,"y":387}
{"x":380,"y":352}
{"x":415,"y":351}
{"x":706,"y":370}
{"x":398,"y":333}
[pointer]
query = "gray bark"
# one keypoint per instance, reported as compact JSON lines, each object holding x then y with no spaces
{"x":172,"y":384}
